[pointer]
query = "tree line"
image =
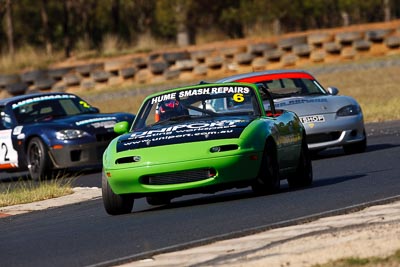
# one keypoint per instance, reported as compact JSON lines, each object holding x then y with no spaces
{"x":60,"y":24}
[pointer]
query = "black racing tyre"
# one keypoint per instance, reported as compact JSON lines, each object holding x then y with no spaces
{"x":158,"y":67}
{"x":358,"y":147}
{"x":115,"y":204}
{"x":173,"y":57}
{"x":38,"y":160}
{"x":158,"y":200}
{"x":100,"y":76}
{"x":304,"y":172}
{"x":268,"y":181}
{"x":287,"y":43}
{"x":17,"y":88}
{"x":392,"y":41}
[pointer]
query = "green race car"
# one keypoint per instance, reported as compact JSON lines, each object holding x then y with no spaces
{"x":202,"y":139}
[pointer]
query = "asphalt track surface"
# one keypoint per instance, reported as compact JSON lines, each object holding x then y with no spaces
{"x":84,"y":235}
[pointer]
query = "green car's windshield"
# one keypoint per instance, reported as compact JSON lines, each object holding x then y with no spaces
{"x":197,"y":103}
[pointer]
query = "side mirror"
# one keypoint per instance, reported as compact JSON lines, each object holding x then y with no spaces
{"x":332,"y":90}
{"x":121,"y":127}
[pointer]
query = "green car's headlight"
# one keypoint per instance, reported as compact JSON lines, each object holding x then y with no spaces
{"x":70,"y":134}
{"x":349,"y":110}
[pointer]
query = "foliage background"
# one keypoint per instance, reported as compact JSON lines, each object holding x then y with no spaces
{"x":103,"y":27}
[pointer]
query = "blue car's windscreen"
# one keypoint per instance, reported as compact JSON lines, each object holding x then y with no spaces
{"x":49,"y":107}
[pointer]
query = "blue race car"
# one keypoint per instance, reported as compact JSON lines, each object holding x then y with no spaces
{"x":45,"y":132}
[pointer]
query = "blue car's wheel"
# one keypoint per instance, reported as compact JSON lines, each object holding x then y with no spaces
{"x":268,"y":181}
{"x":115,"y":204}
{"x":38,"y":160}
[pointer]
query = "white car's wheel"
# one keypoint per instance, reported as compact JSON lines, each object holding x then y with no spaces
{"x":358,"y":147}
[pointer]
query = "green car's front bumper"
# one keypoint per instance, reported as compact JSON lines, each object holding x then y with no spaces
{"x":180,"y":167}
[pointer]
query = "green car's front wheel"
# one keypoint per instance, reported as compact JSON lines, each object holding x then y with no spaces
{"x":115,"y":204}
{"x":268,"y":181}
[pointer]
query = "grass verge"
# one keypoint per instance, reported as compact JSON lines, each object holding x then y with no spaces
{"x":392,"y":260}
{"x":376,"y":90}
{"x":27,"y":191}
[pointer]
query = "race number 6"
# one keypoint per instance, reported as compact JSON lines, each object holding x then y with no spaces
{"x":238,"y":98}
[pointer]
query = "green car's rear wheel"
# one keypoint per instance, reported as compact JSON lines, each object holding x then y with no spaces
{"x":268,"y":181}
{"x":115,"y":204}
{"x":304,"y":174}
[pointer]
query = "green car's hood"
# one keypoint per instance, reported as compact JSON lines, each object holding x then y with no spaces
{"x":184,"y":132}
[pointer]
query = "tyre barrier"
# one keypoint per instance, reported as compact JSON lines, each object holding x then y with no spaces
{"x":193,"y":63}
{"x":302,"y":50}
{"x":9,"y":79}
{"x":258,"y":49}
{"x":19,"y":88}
{"x":200,"y":55}
{"x":127,"y":73}
{"x":347,"y":38}
{"x":244,"y":58}
{"x":274,"y":55}
{"x":286,"y":44}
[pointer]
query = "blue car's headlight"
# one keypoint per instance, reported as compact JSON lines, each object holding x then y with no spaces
{"x":70,"y":134}
{"x":349,"y":110}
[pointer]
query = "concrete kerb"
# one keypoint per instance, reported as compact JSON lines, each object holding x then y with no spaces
{"x":373,"y":231}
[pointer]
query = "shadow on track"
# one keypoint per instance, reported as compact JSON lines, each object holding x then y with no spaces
{"x":338,"y":152}
{"x":245,"y":193}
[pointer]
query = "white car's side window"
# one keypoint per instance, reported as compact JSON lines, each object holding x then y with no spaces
{"x":8,"y":155}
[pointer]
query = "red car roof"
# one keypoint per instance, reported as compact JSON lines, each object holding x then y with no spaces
{"x":274,"y":76}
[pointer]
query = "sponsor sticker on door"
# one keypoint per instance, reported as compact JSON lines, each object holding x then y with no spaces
{"x":312,"y":118}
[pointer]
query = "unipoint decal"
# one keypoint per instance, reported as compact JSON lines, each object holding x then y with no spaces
{"x":187,"y":128}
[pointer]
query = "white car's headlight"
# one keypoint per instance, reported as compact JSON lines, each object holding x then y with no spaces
{"x":70,"y":134}
{"x":349,"y":110}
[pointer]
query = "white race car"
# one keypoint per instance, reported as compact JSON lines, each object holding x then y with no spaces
{"x":329,"y":119}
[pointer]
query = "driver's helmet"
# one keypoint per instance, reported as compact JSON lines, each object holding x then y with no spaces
{"x":170,"y":108}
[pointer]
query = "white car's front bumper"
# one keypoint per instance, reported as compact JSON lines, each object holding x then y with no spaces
{"x":335,"y":131}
